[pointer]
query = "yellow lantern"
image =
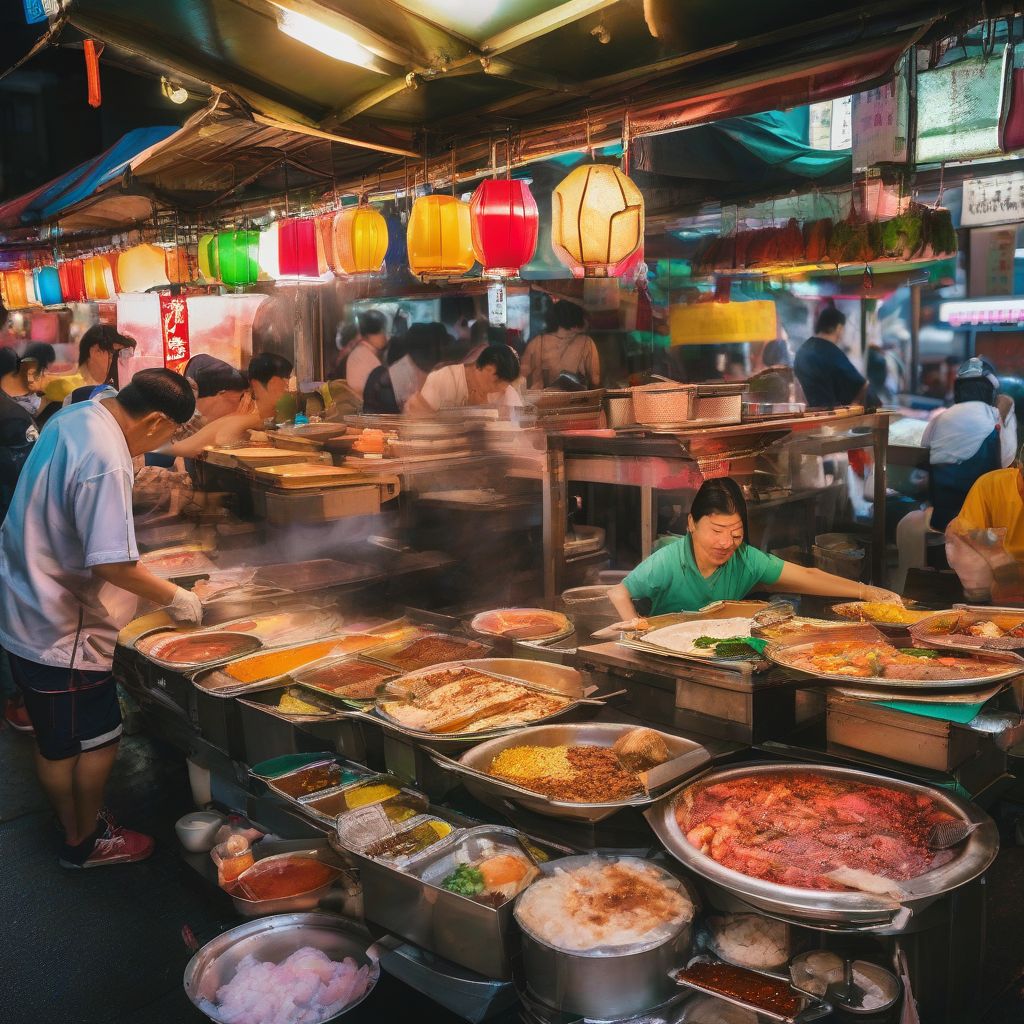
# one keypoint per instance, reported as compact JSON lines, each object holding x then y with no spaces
{"x":99,"y":279}
{"x":142,"y":267}
{"x":440,"y":237}
{"x":209,"y":265}
{"x":360,"y":237}
{"x":597,"y":221}
{"x":179,"y":266}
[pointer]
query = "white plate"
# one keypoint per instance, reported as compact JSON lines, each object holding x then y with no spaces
{"x":680,"y":638}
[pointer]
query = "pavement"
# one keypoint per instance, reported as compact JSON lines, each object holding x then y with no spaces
{"x":107,"y":946}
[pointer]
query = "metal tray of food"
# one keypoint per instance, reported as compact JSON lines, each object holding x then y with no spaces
{"x":533,"y":675}
{"x":480,"y":783}
{"x":787,"y":655}
{"x":841,"y":910}
{"x":327,"y":805}
{"x":308,"y":900}
{"x":945,"y":629}
{"x":462,"y":649}
{"x":291,"y":785}
{"x":561,"y":625}
{"x":380,"y":674}
{"x":247,"y":644}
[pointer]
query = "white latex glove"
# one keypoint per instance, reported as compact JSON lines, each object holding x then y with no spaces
{"x":186,"y":607}
{"x":882,"y":596}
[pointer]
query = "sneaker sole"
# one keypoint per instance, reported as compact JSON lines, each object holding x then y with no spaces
{"x":110,"y":863}
{"x":25,"y":729}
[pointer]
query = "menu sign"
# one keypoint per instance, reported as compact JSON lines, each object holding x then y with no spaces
{"x":998,"y":199}
{"x":174,"y":330}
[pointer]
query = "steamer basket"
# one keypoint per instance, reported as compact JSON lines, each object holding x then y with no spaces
{"x":656,"y":404}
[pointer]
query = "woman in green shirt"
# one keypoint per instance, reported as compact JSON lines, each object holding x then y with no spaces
{"x":714,"y":562}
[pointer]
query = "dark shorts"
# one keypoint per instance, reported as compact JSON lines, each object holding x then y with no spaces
{"x":70,"y":709}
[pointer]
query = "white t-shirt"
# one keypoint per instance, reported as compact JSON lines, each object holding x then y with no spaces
{"x":72,"y":510}
{"x":361,"y":362}
{"x":447,"y":388}
{"x":953,"y":435}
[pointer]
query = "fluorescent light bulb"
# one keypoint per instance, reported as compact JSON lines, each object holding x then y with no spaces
{"x":322,"y":37}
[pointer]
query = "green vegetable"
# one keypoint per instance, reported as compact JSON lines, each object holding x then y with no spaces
{"x":921,"y":652}
{"x":464,"y":880}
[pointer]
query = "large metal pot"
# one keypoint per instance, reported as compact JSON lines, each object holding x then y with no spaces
{"x":841,"y":911}
{"x":604,"y":987}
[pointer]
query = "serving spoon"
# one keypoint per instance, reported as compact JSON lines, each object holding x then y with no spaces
{"x":948,"y":834}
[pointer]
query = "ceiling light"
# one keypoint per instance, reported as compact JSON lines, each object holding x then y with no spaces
{"x":173,"y":91}
{"x":322,"y":37}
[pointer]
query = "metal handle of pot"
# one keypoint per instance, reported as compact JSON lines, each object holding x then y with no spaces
{"x":897,"y":923}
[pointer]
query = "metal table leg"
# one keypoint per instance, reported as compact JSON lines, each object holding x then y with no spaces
{"x":555,"y":497}
{"x":881,"y":454}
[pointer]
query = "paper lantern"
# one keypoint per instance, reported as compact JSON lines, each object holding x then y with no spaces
{"x":360,"y":237}
{"x":30,"y":288}
{"x":179,"y":265}
{"x":99,"y":279}
{"x":72,"y":280}
{"x":208,"y":265}
{"x":112,"y":258}
{"x":142,"y":267}
{"x":325,"y":241}
{"x":238,"y":254}
{"x":597,"y":220}
{"x":298,"y":255}
{"x":440,"y":237}
{"x":270,"y":253}
{"x":505,"y":223}
{"x":47,"y":283}
{"x":16,"y":289}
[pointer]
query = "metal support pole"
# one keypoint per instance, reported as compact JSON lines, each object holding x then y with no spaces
{"x":914,"y":369}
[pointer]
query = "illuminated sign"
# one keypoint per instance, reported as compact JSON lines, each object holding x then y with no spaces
{"x":984,"y":313}
{"x":716,"y":323}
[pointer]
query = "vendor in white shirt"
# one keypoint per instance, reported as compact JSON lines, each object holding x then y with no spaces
{"x":366,"y":353}
{"x":488,"y":381}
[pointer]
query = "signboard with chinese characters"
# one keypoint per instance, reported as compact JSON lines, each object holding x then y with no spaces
{"x":881,"y":122}
{"x":992,"y":255}
{"x":715,"y":323}
{"x":174,"y":330}
{"x":830,"y":124}
{"x":1008,"y":312}
{"x":998,"y":199}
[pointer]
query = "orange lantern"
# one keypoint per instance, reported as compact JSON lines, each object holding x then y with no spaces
{"x":360,"y":240}
{"x":99,"y":279}
{"x":179,"y":266}
{"x":440,"y":237}
{"x":597,"y":221}
{"x":325,"y":241}
{"x":142,"y":267}
{"x":16,"y":287}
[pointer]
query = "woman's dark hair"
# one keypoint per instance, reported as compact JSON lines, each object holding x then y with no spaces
{"x":424,"y":343}
{"x":9,"y":361}
{"x":267,"y":365}
{"x":974,"y":389}
{"x":565,"y":314}
{"x":372,"y":322}
{"x":217,"y":379}
{"x":776,"y":353}
{"x":720,"y":497}
{"x":503,"y":359}
{"x":379,"y":392}
{"x":42,"y":353}
{"x":158,"y":390}
{"x":104,"y":335}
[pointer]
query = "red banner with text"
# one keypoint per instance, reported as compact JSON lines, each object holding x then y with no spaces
{"x":174,"y":328}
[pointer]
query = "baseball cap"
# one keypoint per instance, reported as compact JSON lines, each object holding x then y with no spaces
{"x":976,"y":368}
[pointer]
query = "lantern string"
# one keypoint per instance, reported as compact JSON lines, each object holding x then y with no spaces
{"x":590,"y":150}
{"x":625,"y":142}
{"x":453,"y":170}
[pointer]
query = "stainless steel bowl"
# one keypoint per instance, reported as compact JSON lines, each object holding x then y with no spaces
{"x":275,"y":939}
{"x":846,"y":910}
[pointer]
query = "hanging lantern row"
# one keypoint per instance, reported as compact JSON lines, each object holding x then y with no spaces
{"x":596,"y":231}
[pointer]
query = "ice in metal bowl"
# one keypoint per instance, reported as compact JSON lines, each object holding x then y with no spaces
{"x":274,"y":939}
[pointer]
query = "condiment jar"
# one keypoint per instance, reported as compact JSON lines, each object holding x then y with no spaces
{"x":232,"y":858}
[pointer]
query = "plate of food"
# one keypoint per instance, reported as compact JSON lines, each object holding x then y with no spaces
{"x":887,"y":616}
{"x":869,"y":662}
{"x":522,"y":624}
{"x":992,"y":629}
{"x":710,"y":639}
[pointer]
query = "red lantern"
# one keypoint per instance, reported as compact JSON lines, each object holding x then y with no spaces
{"x":298,"y":253}
{"x":505,"y":223}
{"x":72,"y":281}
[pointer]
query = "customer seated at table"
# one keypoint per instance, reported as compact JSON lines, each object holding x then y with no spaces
{"x":976,"y":435}
{"x":715,"y":562}
{"x":488,"y":381}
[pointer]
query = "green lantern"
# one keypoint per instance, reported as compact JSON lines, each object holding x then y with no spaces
{"x":238,"y":255}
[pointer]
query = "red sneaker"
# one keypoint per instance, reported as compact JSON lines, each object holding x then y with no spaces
{"x":17,"y":718}
{"x":117,"y":846}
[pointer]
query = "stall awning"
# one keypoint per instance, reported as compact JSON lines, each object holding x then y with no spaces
{"x":50,"y":200}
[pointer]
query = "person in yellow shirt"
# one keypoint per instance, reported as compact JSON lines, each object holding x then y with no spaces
{"x":98,"y":353}
{"x":996,"y":502}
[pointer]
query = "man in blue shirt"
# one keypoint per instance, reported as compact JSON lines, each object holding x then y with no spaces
{"x":825,"y":373}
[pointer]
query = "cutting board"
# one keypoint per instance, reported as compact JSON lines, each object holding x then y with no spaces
{"x":295,"y":477}
{"x":255,"y":458}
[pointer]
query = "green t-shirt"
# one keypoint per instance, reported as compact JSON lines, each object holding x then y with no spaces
{"x":673,"y":583}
